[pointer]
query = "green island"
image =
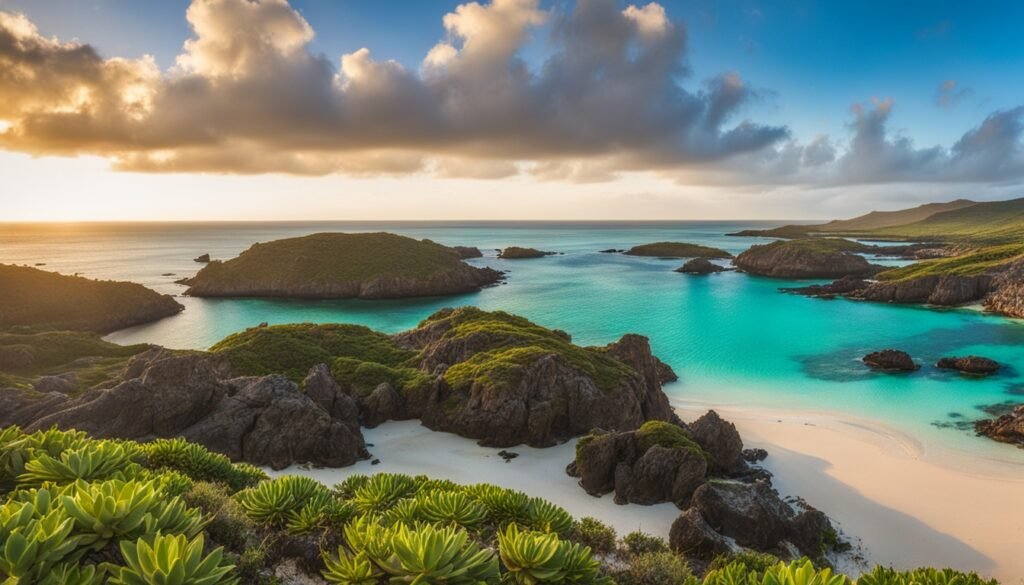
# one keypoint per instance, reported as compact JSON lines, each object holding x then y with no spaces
{"x":340,"y":265}
{"x":48,"y":300}
{"x":677,"y":250}
{"x":519,"y":253}
{"x":83,"y":511}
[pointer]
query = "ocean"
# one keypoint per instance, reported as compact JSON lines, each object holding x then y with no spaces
{"x":733,"y":338}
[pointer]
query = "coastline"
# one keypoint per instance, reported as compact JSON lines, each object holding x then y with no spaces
{"x":904,"y":505}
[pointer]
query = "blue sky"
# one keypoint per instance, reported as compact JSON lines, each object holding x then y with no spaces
{"x":815,"y":58}
{"x":653,"y":109}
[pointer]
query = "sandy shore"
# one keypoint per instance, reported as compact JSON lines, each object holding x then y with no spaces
{"x":906,"y":507}
{"x":903,"y":507}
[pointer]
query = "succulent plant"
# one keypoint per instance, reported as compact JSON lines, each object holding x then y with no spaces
{"x":273,"y":502}
{"x":348,"y":569}
{"x":503,"y":505}
{"x":451,"y":507}
{"x":94,"y":461}
{"x":382,"y":491}
{"x":200,"y":464}
{"x":534,"y":557}
{"x":73,"y":574}
{"x":544,"y":516}
{"x":35,"y":538}
{"x":170,"y":560}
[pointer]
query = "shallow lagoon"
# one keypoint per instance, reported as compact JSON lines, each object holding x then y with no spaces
{"x":733,"y":338}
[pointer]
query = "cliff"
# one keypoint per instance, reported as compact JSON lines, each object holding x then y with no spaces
{"x":48,"y":300}
{"x":337,"y":265}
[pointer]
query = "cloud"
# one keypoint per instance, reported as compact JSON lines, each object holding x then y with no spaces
{"x":948,"y":94}
{"x":247,"y":95}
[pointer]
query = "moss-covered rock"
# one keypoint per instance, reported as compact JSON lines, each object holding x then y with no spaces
{"x":518,"y":253}
{"x":677,"y":250}
{"x":807,"y":258}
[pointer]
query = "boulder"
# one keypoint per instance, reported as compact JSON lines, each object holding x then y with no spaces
{"x":971,"y":365}
{"x":1008,"y":428}
{"x":322,"y":389}
{"x":720,"y":439}
{"x":890,"y":360}
{"x":383,"y":404}
{"x":694,"y":538}
{"x":662,"y":475}
{"x":202,"y":259}
{"x":700,"y":266}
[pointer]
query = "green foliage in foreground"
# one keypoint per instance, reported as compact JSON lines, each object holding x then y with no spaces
{"x":78,"y":511}
{"x":677,"y":250}
{"x":970,"y":264}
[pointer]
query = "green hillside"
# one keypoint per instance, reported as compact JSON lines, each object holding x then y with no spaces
{"x":993,"y":222}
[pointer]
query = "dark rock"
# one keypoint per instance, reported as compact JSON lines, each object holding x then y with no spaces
{"x":945,"y":290}
{"x":972,"y":365}
{"x":322,"y":389}
{"x":890,"y":360}
{"x":612,"y":251}
{"x":16,"y":357}
{"x":1008,"y":428}
{"x":383,"y":404}
{"x":665,"y":372}
{"x":844,"y":286}
{"x":597,"y":457}
{"x":691,"y":536}
{"x":517,"y":253}
{"x":203,"y":259}
{"x":662,"y":475}
{"x":375,"y":462}
{"x":754,"y":455}
{"x":465,"y":252}
{"x":700,"y":266}
{"x":720,"y":439}
{"x":507,"y":455}
{"x":63,"y":383}
{"x":813,"y":258}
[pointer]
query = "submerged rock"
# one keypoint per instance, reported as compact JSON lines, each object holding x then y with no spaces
{"x":1008,"y":428}
{"x":890,"y":360}
{"x":972,"y":365}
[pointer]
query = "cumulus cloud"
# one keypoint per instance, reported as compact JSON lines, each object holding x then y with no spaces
{"x":247,"y":95}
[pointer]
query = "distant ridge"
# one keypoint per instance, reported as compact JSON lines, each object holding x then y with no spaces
{"x":885,"y":219}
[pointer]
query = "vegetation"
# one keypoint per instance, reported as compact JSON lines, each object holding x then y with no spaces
{"x":83,"y":511}
{"x":822,"y":245}
{"x":668,"y":435}
{"x":326,"y":258}
{"x":26,"y":354}
{"x":970,"y":264}
{"x":517,"y":253}
{"x":48,"y":300}
{"x":677,"y":250}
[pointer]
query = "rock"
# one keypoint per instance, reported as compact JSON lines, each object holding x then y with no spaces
{"x":517,"y":253}
{"x":383,"y":404}
{"x":668,"y":250}
{"x":635,"y":351}
{"x":720,"y":439}
{"x":612,"y":251}
{"x":691,"y":536}
{"x":844,"y":286}
{"x":972,"y":365}
{"x":507,"y":455}
{"x":1008,"y":428}
{"x":598,"y":456}
{"x":890,"y":360}
{"x":806,"y":258}
{"x":754,"y":516}
{"x":665,"y":372}
{"x":322,"y":389}
{"x":945,"y":290}
{"x":700,"y":266}
{"x":203,"y":259}
{"x":63,"y":383}
{"x":16,"y":357}
{"x":754,"y":455}
{"x":466,"y":252}
{"x":662,"y":475}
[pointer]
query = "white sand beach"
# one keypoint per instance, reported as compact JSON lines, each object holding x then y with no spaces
{"x":901,"y":506}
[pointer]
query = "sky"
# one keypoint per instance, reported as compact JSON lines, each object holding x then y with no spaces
{"x":504,"y":109}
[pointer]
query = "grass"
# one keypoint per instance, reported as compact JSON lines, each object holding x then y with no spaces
{"x":27,"y":355}
{"x":334,"y":257}
{"x":970,"y":264}
{"x":823,"y":245}
{"x":48,"y":300}
{"x":996,"y":222}
{"x":667,"y":435}
{"x":677,"y":250}
{"x":508,"y":343}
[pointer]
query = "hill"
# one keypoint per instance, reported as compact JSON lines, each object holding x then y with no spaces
{"x":995,"y":222}
{"x":338,"y":265}
{"x":886,"y":219}
{"x":677,"y":250}
{"x":48,"y":300}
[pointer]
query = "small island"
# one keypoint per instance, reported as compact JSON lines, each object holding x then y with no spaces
{"x":700,"y":266}
{"x":807,"y":258}
{"x":518,"y":253}
{"x":48,"y":300}
{"x":677,"y":250}
{"x":341,"y":266}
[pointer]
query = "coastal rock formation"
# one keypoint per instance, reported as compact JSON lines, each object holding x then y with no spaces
{"x":753,"y":516}
{"x":945,"y":290}
{"x":806,"y":258}
{"x":972,"y":365}
{"x":517,"y":253}
{"x":700,"y":266}
{"x":677,"y":250}
{"x":264,"y":420}
{"x":890,"y":360}
{"x":47,"y":300}
{"x":337,"y":265}
{"x":843,"y":286}
{"x":465,"y":252}
{"x":720,"y":439}
{"x":202,"y":259}
{"x":1008,"y":428}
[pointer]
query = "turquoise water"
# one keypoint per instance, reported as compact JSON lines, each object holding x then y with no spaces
{"x":733,"y":338}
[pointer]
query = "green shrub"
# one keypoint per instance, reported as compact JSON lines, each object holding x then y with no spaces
{"x":94,"y":461}
{"x":597,"y":535}
{"x":227,"y":522}
{"x":35,"y":539}
{"x":381,"y":491}
{"x":638,"y":543}
{"x":200,"y":464}
{"x":451,"y":508}
{"x":503,"y":505}
{"x":753,"y":561}
{"x":535,"y":557}
{"x":800,"y":572}
{"x":668,"y":435}
{"x":273,"y":502}
{"x":170,"y":560}
{"x":656,"y":568}
{"x":928,"y":576}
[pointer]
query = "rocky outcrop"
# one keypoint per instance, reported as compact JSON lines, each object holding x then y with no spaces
{"x":700,"y":266}
{"x":466,"y":252}
{"x":811,"y":258}
{"x":677,"y":250}
{"x":890,"y":360}
{"x":517,"y":253}
{"x":263,"y":420}
{"x":971,"y":365}
{"x":1008,"y":428}
{"x":335,"y":265}
{"x":202,"y":259}
{"x":945,"y":290}
{"x":844,"y":286}
{"x":720,"y":439}
{"x":751,"y":515}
